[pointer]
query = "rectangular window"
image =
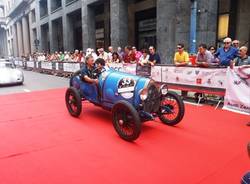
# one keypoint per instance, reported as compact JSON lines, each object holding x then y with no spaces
{"x":43,"y":5}
{"x":223,"y":24}
{"x":56,"y":4}
{"x":70,"y":1}
{"x":33,"y":16}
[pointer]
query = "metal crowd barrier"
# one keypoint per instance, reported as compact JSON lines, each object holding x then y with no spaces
{"x":53,"y":67}
{"x":169,"y":74}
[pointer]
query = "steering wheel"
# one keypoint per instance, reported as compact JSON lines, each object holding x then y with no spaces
{"x":95,"y":73}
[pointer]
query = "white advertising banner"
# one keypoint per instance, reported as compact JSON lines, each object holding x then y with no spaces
{"x":202,"y":77}
{"x":30,"y":64}
{"x":71,"y":67}
{"x":237,"y":97}
{"x":16,"y":63}
{"x":46,"y":65}
{"x":116,"y":66}
{"x":156,"y":73}
{"x":129,"y":68}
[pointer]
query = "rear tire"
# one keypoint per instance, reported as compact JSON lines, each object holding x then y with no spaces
{"x":73,"y":102}
{"x":173,"y":102}
{"x":126,"y":121}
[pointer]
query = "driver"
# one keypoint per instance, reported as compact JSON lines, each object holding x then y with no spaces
{"x":90,"y":72}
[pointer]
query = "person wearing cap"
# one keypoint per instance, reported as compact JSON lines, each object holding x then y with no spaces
{"x":227,"y":53}
{"x":181,"y":57}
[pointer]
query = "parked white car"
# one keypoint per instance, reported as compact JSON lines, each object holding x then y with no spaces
{"x":9,"y":74}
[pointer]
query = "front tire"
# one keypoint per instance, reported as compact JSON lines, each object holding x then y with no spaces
{"x":126,"y":121}
{"x":172,"y":109}
{"x":73,"y":102}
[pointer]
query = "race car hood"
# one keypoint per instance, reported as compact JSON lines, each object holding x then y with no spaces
{"x":123,"y":86}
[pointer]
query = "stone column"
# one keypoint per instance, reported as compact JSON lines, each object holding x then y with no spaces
{"x":15,"y":42}
{"x":66,"y":26}
{"x":19,"y":39}
{"x":38,"y":27}
{"x":106,"y":24}
{"x":166,"y":28}
{"x":88,"y":26}
{"x":3,"y":43}
{"x":119,"y":23}
{"x":68,"y":33}
{"x":207,"y":22}
{"x":26,"y":37}
{"x":32,"y":45}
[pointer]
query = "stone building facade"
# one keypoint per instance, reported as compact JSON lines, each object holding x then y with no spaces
{"x":3,"y":33}
{"x":65,"y":25}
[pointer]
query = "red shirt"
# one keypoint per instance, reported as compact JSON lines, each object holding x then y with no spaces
{"x":129,"y":58}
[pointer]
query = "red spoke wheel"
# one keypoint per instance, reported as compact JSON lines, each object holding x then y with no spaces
{"x":126,"y":121}
{"x":73,"y":102}
{"x":172,"y":109}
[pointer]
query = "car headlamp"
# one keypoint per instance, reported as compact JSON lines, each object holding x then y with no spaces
{"x":144,"y":94}
{"x":164,"y":89}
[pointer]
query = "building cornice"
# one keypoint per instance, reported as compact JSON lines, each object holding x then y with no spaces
{"x":18,"y":8}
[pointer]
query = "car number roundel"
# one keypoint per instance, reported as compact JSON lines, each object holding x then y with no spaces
{"x":126,"y":86}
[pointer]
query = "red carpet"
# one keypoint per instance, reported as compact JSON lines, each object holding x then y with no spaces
{"x":40,"y":143}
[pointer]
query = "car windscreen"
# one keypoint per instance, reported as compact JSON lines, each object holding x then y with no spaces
{"x":6,"y":65}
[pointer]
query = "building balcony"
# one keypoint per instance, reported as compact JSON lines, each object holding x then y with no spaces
{"x":18,"y":6}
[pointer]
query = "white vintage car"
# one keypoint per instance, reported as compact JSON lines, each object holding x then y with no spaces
{"x":9,"y":74}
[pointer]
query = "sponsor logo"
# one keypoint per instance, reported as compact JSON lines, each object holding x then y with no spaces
{"x":209,"y":81}
{"x":237,"y":82}
{"x":198,"y":81}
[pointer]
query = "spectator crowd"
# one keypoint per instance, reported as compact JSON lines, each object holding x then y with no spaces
{"x":231,"y":54}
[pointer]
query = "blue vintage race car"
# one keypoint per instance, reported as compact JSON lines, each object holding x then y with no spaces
{"x":131,"y":99}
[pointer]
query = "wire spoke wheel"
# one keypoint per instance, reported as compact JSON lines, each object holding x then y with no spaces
{"x":126,"y":121}
{"x":73,"y":101}
{"x":171,"y":109}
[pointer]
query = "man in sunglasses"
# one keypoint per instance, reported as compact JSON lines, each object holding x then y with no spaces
{"x":181,"y":57}
{"x":236,"y":44}
{"x":227,"y":53}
